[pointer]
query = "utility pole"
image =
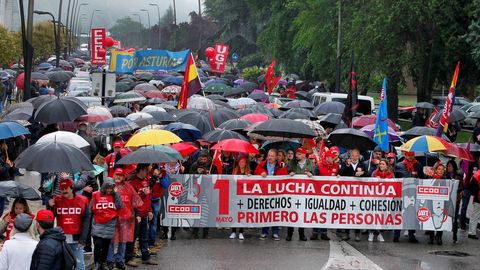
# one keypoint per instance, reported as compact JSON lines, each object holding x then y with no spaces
{"x":67,"y":49}
{"x":149,"y":28}
{"x":175,"y":26}
{"x":57,"y":57}
{"x":339,"y":45}
{"x":27,"y":29}
{"x":159,"y":28}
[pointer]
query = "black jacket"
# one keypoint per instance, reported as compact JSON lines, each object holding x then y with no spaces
{"x":90,"y":151}
{"x":402,"y":172}
{"x":348,"y":170}
{"x":48,"y":254}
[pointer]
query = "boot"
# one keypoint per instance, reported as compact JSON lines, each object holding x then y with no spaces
{"x":432,"y":238}
{"x":289,"y":238}
{"x":302,"y":237}
{"x":314,"y":236}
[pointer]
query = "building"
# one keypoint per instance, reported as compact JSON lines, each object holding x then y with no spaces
{"x":10,"y":15}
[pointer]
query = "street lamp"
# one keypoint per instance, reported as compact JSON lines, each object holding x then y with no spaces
{"x":90,"y":28}
{"x":57,"y":45}
{"x":175,"y":23}
{"x":141,"y":25}
{"x":149,"y":27}
{"x":159,"y":31}
{"x":75,"y":20}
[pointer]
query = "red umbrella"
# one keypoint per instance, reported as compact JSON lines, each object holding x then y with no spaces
{"x":155,"y":94}
{"x":184,"y":149}
{"x":95,"y":114}
{"x":459,"y":152}
{"x":20,"y":81}
{"x":235,"y":145}
{"x":255,"y":117}
{"x":370,"y":119}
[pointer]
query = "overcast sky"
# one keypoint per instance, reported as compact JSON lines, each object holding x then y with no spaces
{"x":111,"y":10}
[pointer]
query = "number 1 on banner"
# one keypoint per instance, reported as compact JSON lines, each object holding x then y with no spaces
{"x":223,"y":196}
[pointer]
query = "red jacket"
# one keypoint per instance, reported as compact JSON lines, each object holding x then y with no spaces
{"x":326,"y":169}
{"x":103,"y":207}
{"x":262,"y":168}
{"x":142,"y":187}
{"x":69,"y":213}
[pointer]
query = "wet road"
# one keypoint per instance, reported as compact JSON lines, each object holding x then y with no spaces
{"x":219,"y":252}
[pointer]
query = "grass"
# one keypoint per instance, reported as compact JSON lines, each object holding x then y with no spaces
{"x":403,"y":100}
{"x":462,"y":136}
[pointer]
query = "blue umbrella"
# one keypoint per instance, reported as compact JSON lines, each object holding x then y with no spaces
{"x":186,"y":132}
{"x":10,"y":129}
{"x":173,"y":80}
{"x":114,"y":126}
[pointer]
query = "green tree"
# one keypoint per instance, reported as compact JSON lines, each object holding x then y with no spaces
{"x":10,"y":46}
{"x":130,"y":32}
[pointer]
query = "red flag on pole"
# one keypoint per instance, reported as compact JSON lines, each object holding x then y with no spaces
{"x":191,"y":83}
{"x":447,"y":109}
{"x":217,"y":161}
{"x":270,"y":80}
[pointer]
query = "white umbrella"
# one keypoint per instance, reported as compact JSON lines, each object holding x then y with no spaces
{"x":64,"y":137}
{"x":240,"y":103}
{"x":200,"y":103}
{"x":152,"y":108}
{"x":142,"y":119}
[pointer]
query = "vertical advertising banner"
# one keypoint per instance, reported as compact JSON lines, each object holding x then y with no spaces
{"x":220,"y":58}
{"x":311,"y":202}
{"x":98,"y":35}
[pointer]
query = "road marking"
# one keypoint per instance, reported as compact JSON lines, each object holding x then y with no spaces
{"x":344,"y":256}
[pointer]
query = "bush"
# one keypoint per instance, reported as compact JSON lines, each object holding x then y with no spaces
{"x":252,"y":73}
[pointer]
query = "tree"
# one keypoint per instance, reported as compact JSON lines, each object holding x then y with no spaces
{"x":130,"y":32}
{"x":43,"y":39}
{"x":10,"y":46}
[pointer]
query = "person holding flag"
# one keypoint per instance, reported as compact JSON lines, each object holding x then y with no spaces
{"x":381,"y":124}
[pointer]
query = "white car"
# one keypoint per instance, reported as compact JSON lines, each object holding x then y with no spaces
{"x":470,"y":109}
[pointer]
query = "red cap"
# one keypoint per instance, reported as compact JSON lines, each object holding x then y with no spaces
{"x":302,"y":150}
{"x":117,"y":144}
{"x":391,"y":155}
{"x":330,"y":153}
{"x":65,"y":183}
{"x":119,"y":171}
{"x":410,"y":153}
{"x":45,"y":215}
{"x":335,"y":149}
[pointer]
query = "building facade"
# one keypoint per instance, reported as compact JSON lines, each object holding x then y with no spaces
{"x":10,"y":15}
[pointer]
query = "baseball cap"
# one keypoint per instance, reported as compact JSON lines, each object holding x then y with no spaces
{"x":117,"y":144}
{"x":391,"y":155}
{"x":65,"y":183}
{"x":119,"y":171}
{"x":22,"y":222}
{"x":330,"y":153}
{"x":45,"y":215}
{"x":335,"y":149}
{"x":302,"y":150}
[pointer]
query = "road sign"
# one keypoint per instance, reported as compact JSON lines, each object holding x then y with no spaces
{"x":234,"y":57}
{"x":97,"y":84}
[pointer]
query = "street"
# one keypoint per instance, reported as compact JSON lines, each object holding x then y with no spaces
{"x":219,"y":252}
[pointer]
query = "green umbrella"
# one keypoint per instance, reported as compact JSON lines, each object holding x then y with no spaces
{"x":166,"y":150}
{"x":216,"y":88}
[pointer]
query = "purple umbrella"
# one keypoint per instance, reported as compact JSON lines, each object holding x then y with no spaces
{"x":370,"y":131}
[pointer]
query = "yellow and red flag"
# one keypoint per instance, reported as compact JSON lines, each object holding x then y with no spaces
{"x":191,"y":83}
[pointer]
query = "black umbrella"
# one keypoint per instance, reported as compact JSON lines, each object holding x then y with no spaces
{"x":258,"y":96}
{"x":350,"y":138}
{"x":235,"y":124}
{"x":145,"y":156}
{"x":456,"y":115}
{"x":221,"y":115}
{"x":39,"y":76}
{"x":63,"y":109}
{"x":306,"y":112}
{"x":156,"y":100}
{"x":58,"y":76}
{"x":302,"y":95}
{"x":18,"y":111}
{"x":15,"y":189}
{"x":119,"y":110}
{"x":199,"y":120}
{"x":54,"y":157}
{"x":293,"y":115}
{"x":424,"y":105}
{"x":235,"y":91}
{"x":222,"y":134}
{"x":329,"y":107}
{"x":275,"y":112}
{"x":162,"y":117}
{"x":297,"y":104}
{"x":217,"y":97}
{"x":255,"y":109}
{"x":475,"y":115}
{"x":331,"y":118}
{"x":285,"y":128}
{"x":222,"y":104}
{"x":37,"y":101}
{"x":420,"y":131}
{"x":123,"y":87}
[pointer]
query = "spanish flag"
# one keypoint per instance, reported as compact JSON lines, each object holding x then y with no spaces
{"x":191,"y":83}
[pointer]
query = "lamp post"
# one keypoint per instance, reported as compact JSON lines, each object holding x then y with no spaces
{"x":141,"y":25}
{"x":67,"y":49}
{"x":27,"y":47}
{"x":159,"y":30}
{"x":55,"y":33}
{"x":76,"y":20}
{"x":175,"y":23}
{"x":90,"y":28}
{"x":149,"y":27}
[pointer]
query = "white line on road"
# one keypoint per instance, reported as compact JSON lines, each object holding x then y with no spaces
{"x":344,"y":256}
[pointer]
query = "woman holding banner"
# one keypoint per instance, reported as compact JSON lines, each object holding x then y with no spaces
{"x":383,"y":171}
{"x":242,"y":168}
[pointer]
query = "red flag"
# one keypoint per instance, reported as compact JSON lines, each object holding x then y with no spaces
{"x":321,"y":151}
{"x":217,"y":161}
{"x":270,"y":80}
{"x":191,"y":83}
{"x":431,"y":123}
{"x":447,"y":109}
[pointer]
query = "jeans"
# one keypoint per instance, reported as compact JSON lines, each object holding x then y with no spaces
{"x":142,"y":228}
{"x":275,"y":230}
{"x":78,"y":251}
{"x":117,"y":257}
{"x":100,"y":250}
{"x":152,"y":229}
{"x":465,"y":201}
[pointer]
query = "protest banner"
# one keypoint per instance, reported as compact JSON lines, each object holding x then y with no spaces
{"x":148,"y":60}
{"x":98,"y":35}
{"x":219,"y":60}
{"x":316,"y":202}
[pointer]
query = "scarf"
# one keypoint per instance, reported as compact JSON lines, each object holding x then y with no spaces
{"x":410,"y":165}
{"x":382,"y":175}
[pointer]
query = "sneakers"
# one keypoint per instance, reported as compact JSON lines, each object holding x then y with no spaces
{"x":263,"y":236}
{"x":357,"y":237}
{"x":370,"y":237}
{"x":233,"y":235}
{"x":380,"y":238}
{"x":131,"y":263}
{"x":276,"y":237}
{"x":240,"y":236}
{"x":150,"y":262}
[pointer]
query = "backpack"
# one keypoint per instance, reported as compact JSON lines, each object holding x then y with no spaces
{"x":69,"y":257}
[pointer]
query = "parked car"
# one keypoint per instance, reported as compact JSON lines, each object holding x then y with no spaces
{"x":439,"y":102}
{"x":470,"y":109}
{"x":367,"y":105}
